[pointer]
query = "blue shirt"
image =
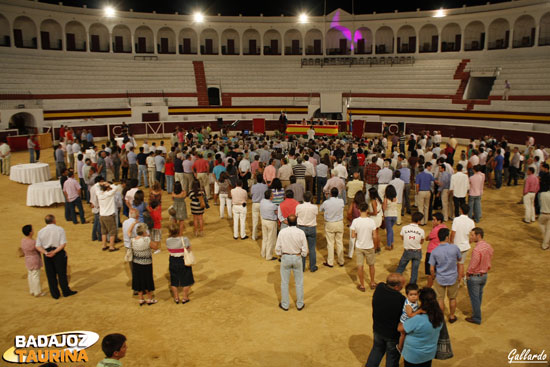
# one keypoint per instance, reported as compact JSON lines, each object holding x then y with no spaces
{"x":268,"y":210}
{"x":421,"y":341}
{"x":405,"y":174}
{"x":445,"y":180}
{"x":257,"y":192}
{"x":444,"y":257}
{"x":159,"y":163}
{"x":500,"y":162}
{"x":132,"y":158}
{"x":218,"y":171}
{"x":333,"y":209}
{"x":424,"y":181}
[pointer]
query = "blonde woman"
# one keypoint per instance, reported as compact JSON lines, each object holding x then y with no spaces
{"x":142,"y":264}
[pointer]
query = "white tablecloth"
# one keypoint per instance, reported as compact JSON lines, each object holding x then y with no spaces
{"x":45,"y":194}
{"x":30,"y":173}
{"x":119,"y":141}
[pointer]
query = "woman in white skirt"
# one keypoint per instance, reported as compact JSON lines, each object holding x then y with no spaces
{"x":33,"y":262}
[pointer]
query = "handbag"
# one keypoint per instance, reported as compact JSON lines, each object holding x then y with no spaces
{"x":444,"y":350}
{"x":201,"y":201}
{"x":188,"y":256}
{"x":129,"y":256}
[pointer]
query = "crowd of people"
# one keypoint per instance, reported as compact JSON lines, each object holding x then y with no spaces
{"x":368,"y":185}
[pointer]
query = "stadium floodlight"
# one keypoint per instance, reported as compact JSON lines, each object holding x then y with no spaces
{"x":198,"y":17}
{"x":303,"y":18}
{"x":439,"y":13}
{"x":109,"y":11}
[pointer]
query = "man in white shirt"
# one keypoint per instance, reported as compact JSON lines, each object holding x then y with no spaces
{"x":307,"y":222}
{"x":51,"y":242}
{"x":384,"y":177}
{"x":107,"y":216}
{"x":460,"y":235}
{"x":70,"y":154}
{"x":291,"y":246}
{"x":310,"y":174}
{"x":413,"y":237}
{"x":145,"y":147}
{"x":363,"y":230}
{"x":5,"y":157}
{"x":460,"y":184}
{"x":399,"y":186}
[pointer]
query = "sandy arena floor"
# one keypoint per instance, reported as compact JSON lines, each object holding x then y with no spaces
{"x":233,"y":319}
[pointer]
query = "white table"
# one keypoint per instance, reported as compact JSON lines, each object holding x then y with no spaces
{"x":30,"y":173}
{"x":119,"y":141}
{"x":45,"y":194}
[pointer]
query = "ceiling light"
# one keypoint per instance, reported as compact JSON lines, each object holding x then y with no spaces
{"x":198,"y":17}
{"x":110,"y":11}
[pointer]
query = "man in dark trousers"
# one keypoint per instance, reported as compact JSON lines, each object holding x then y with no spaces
{"x":387,"y":306}
{"x":51,"y":242}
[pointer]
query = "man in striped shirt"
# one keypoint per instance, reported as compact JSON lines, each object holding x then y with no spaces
{"x":480,"y":264}
{"x":299,"y":171}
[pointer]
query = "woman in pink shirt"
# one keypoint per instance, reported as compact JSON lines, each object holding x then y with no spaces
{"x":33,"y":262}
{"x":438,"y":223}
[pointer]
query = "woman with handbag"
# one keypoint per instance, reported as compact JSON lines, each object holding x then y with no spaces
{"x":375,"y":212}
{"x":422,"y":331}
{"x":198,"y":204}
{"x":181,"y":273}
{"x":142,"y":266}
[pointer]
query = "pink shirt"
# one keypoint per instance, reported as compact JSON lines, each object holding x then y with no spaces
{"x":254,"y":167}
{"x":269,"y":173}
{"x":32,"y":256}
{"x":476,"y":184}
{"x":480,"y":263}
{"x":531,"y":184}
{"x":432,"y":237}
{"x":71,"y":187}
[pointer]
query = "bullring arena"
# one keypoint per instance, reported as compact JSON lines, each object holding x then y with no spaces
{"x":417,"y":71}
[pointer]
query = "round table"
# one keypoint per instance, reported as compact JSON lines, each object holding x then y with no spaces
{"x":30,"y":173}
{"x":119,"y":141}
{"x":45,"y":194}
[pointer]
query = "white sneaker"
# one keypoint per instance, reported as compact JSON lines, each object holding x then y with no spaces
{"x":156,"y":252}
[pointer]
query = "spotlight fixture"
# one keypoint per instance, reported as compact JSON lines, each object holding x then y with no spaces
{"x":302,"y":18}
{"x":198,"y":17}
{"x":110,"y":11}
{"x":439,"y":13}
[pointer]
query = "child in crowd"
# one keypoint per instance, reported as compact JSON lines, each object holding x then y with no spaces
{"x":410,"y":309}
{"x":114,"y":346}
{"x":156,"y":214}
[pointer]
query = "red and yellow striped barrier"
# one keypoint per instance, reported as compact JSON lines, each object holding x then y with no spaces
{"x":331,"y":130}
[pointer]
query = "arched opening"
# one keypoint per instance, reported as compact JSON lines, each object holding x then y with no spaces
{"x":209,"y":42}
{"x":231,"y":44}
{"x":99,"y":38}
{"x":272,"y":42}
{"x":337,"y":43}
{"x":188,"y":45}
{"x":384,"y":40}
{"x":314,"y":42}
{"x":544,"y":30}
{"x":122,"y":39}
{"x":5,"y":39}
{"x":144,"y":39}
{"x":429,"y":38}
{"x":499,"y":34}
{"x":166,"y":41}
{"x":406,"y":40}
{"x":524,"y":32}
{"x":251,"y":42}
{"x":51,"y":35}
{"x":293,"y":42}
{"x":363,"y":41}
{"x":451,"y":38}
{"x":24,"y":122}
{"x":24,"y":33}
{"x":474,"y":36}
{"x":76,"y":36}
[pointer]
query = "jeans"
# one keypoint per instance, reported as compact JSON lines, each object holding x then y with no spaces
{"x":475,"y":208}
{"x":311,"y":236}
{"x":415,"y":257}
{"x":160,"y":179}
{"x":72,"y":213}
{"x":142,"y":172}
{"x":406,"y":200}
{"x":96,"y":228}
{"x":31,"y":155}
{"x":292,"y":263}
{"x":498,"y":178}
{"x":68,"y":217}
{"x":383,"y":345}
{"x":321,"y":182}
{"x":169,"y":184}
{"x":514,"y":174}
{"x":390,"y":221}
{"x":475,"y":290}
{"x":85,"y":193}
{"x":457,"y":202}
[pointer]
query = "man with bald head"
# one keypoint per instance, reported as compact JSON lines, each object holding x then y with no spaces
{"x":387,"y":306}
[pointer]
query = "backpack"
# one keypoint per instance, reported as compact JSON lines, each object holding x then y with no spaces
{"x":148,"y":220}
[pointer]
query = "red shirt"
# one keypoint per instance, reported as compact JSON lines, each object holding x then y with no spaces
{"x":201,"y":166}
{"x":370,"y":173}
{"x":434,"y":240}
{"x":169,"y":169}
{"x":156,"y":215}
{"x":69,"y":135}
{"x":288,"y":207}
{"x":62,"y":132}
{"x":480,"y":263}
{"x":361,"y":158}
